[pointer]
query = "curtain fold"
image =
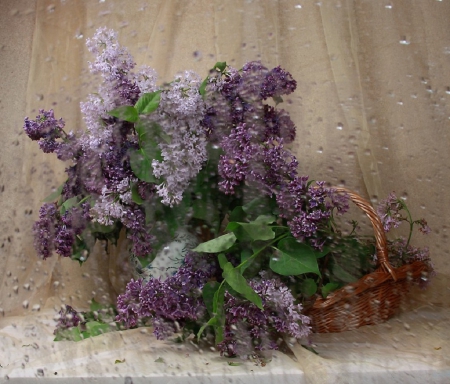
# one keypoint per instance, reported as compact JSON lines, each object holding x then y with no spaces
{"x":371,"y":108}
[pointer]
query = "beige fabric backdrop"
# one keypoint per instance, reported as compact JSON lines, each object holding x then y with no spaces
{"x":371,"y":108}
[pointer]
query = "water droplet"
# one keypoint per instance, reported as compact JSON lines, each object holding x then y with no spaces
{"x":51,"y":8}
{"x":298,"y":6}
{"x":367,"y":152}
{"x":15,"y":289}
{"x":25,"y":304}
{"x":447,"y":91}
{"x":400,"y":102}
{"x":26,"y":358}
{"x":36,"y":307}
{"x":197,"y":55}
{"x":26,"y":286}
{"x":404,"y":41}
{"x":79,"y":35}
{"x":340,"y":126}
{"x":388,"y":6}
{"x":39,"y":97}
{"x":40,"y":372}
{"x":320,"y":150}
{"x":2,"y":312}
{"x":101,"y":1}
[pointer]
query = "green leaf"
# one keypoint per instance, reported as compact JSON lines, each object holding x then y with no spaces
{"x":260,"y":206}
{"x":233,"y":364}
{"x":234,"y":277}
{"x":294,"y":258}
{"x":220,"y":65}
{"x":117,"y":361}
{"x":255,"y":230}
{"x":222,"y":260}
{"x":69,"y":203}
{"x":148,"y":103}
{"x":71,"y":334}
{"x":277,"y":99}
{"x":54,"y":195}
{"x":202,"y":89}
{"x":219,"y":244}
{"x":237,"y":214}
{"x":95,"y":306}
{"x":341,"y":274}
{"x":95,"y":328}
{"x":135,"y":196}
{"x":208,"y":292}
{"x":308,"y":287}
{"x":141,"y":164}
{"x":125,"y":113}
{"x":218,"y":321}
{"x":245,"y":255}
{"x":159,"y":360}
{"x":330,"y":287}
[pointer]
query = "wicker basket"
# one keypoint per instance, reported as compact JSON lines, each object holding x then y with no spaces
{"x":374,"y":298}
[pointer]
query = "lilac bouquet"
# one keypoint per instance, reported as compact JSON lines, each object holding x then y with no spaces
{"x":205,"y":162}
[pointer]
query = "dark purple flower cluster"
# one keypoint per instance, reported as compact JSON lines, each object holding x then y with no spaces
{"x":46,"y":129}
{"x":56,"y":232}
{"x":308,"y":207}
{"x":247,"y":328}
{"x":68,"y":318}
{"x":138,"y":232}
{"x":169,"y":303}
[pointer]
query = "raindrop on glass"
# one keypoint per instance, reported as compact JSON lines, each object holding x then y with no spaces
{"x":404,"y":41}
{"x":298,"y":6}
{"x":320,"y":150}
{"x":388,"y":6}
{"x":340,"y":126}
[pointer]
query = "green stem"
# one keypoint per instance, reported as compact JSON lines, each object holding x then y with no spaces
{"x":410,"y":221}
{"x":263,"y":248}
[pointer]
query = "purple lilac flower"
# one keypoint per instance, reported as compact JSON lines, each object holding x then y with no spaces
{"x":68,"y":318}
{"x":423,"y":226}
{"x":176,"y":299}
{"x":71,"y":224}
{"x":308,"y":207}
{"x":389,"y":212}
{"x":235,"y":163}
{"x":278,"y":124}
{"x":44,"y":127}
{"x":44,"y":230}
{"x":183,"y":151}
{"x":248,"y":328}
{"x":277,"y":82}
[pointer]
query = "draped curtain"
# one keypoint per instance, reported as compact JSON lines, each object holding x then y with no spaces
{"x":371,"y":108}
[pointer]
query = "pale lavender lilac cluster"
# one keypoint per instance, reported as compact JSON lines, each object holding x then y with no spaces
{"x":389,"y":211}
{"x":247,"y":328}
{"x":179,"y":116}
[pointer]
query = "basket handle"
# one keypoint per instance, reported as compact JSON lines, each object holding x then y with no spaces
{"x":380,"y":235}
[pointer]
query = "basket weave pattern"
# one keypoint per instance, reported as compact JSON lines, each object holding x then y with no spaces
{"x":372,"y":299}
